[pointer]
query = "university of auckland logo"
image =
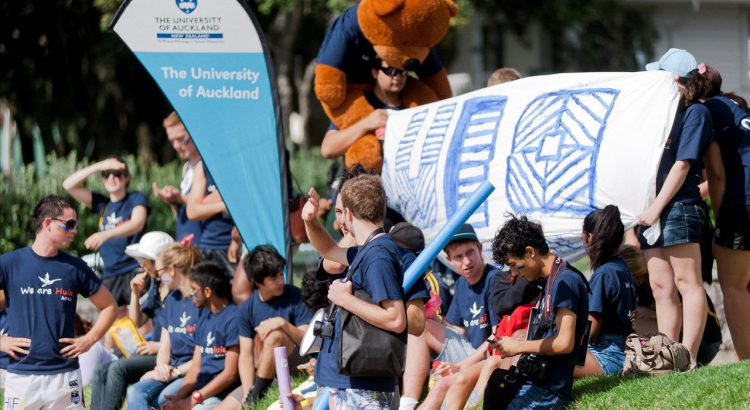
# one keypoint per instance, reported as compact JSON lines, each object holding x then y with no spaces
{"x":187,"y":6}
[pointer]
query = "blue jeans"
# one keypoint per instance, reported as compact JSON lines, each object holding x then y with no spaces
{"x":148,"y":394}
{"x":110,"y":380}
{"x":535,"y":397}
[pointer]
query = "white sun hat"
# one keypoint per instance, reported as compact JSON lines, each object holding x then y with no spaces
{"x":150,"y":244}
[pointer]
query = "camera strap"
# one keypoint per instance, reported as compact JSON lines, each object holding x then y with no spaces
{"x":547,"y":300}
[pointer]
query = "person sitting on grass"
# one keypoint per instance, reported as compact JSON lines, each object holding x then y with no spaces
{"x":274,"y":315}
{"x":613,"y":300}
{"x":213,"y":373}
{"x":563,"y":314}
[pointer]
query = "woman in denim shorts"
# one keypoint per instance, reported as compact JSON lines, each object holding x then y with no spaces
{"x":612,"y":301}
{"x":674,"y":259}
{"x":731,"y":121}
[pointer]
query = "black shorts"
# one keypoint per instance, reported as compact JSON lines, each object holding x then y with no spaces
{"x":119,"y":287}
{"x":733,"y":228}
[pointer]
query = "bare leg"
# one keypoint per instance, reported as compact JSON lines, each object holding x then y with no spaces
{"x":661,"y":277}
{"x":686,"y":264}
{"x":417,"y":366}
{"x":267,"y":363}
{"x":734,"y":277}
{"x":438,"y":392}
{"x":590,"y":368}
{"x":462,"y":387}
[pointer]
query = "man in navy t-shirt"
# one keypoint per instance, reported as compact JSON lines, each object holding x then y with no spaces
{"x":213,"y":373}
{"x":274,"y":315}
{"x":460,"y":337}
{"x":178,"y":136}
{"x":560,"y":326}
{"x":204,"y":204}
{"x":41,"y":286}
{"x":376,"y":271}
{"x":122,"y":222}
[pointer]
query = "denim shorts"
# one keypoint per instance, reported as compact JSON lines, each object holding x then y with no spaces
{"x":455,"y":348}
{"x":609,"y":352}
{"x":733,"y":228}
{"x":681,"y":223}
{"x":535,"y":397}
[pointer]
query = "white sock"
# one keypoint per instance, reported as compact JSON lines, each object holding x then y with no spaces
{"x":407,"y":403}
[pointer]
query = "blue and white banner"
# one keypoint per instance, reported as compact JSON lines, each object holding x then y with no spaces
{"x":210,"y":60}
{"x":556,"y":147}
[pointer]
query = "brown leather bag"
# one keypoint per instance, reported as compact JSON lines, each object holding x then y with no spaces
{"x":655,"y":354}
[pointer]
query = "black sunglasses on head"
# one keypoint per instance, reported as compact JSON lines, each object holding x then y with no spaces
{"x":116,"y":174}
{"x":392,"y":71}
{"x":70,"y":223}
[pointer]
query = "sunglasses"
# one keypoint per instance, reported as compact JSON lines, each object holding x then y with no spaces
{"x":116,"y":174}
{"x":70,"y":223}
{"x":392,"y":71}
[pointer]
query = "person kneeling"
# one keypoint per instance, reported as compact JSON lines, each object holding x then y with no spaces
{"x":550,"y":355}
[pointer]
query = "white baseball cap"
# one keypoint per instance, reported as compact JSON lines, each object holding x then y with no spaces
{"x":151,"y":243}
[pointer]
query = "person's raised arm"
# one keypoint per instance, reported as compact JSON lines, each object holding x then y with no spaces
{"x":715,"y":176}
{"x":74,"y":183}
{"x":103,"y":301}
{"x":137,"y":284}
{"x":337,"y":142}
{"x":320,"y":239}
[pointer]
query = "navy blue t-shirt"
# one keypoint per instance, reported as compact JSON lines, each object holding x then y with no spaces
{"x":375,"y":103}
{"x":217,"y":333}
{"x":185,"y":226}
{"x":181,"y":318}
{"x":41,"y":294}
{"x":152,"y":306}
{"x":216,"y":232}
{"x":290,"y":306}
{"x":691,"y":134}
{"x":472,"y":307}
{"x":734,"y":142}
{"x":4,"y":358}
{"x":613,"y":297}
{"x":419,"y":289}
{"x":346,"y":48}
{"x":112,"y":214}
{"x":379,"y":275}
{"x":568,"y":290}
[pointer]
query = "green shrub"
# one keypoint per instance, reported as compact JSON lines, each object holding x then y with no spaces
{"x":24,"y":189}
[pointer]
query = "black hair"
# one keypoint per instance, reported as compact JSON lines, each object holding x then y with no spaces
{"x":314,"y":291}
{"x":51,"y":206}
{"x":606,"y":231}
{"x":262,"y":262}
{"x":696,"y":87}
{"x":514,"y":236}
{"x":211,"y":275}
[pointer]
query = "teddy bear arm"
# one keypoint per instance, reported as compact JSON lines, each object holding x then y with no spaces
{"x":330,"y":85}
{"x":439,"y":84}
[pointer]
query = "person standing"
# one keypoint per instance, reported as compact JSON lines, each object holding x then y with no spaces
{"x":42,"y":285}
{"x":176,"y":198}
{"x":122,"y":221}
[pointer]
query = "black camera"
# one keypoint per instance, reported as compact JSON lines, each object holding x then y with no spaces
{"x":324,"y":328}
{"x":532,"y":366}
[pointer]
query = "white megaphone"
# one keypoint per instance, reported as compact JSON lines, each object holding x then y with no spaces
{"x":311,"y":343}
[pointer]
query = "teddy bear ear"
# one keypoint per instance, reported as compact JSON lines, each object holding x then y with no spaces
{"x":386,"y":7}
{"x":452,"y":8}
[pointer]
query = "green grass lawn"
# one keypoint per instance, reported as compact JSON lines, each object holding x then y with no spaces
{"x":714,"y":387}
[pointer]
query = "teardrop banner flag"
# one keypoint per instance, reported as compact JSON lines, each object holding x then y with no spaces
{"x":212,"y":63}
{"x":555,"y":147}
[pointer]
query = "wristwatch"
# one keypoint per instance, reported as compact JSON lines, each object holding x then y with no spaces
{"x":177,"y":371}
{"x":197,"y":396}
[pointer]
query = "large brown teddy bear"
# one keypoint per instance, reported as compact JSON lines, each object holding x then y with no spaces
{"x":401,"y":33}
